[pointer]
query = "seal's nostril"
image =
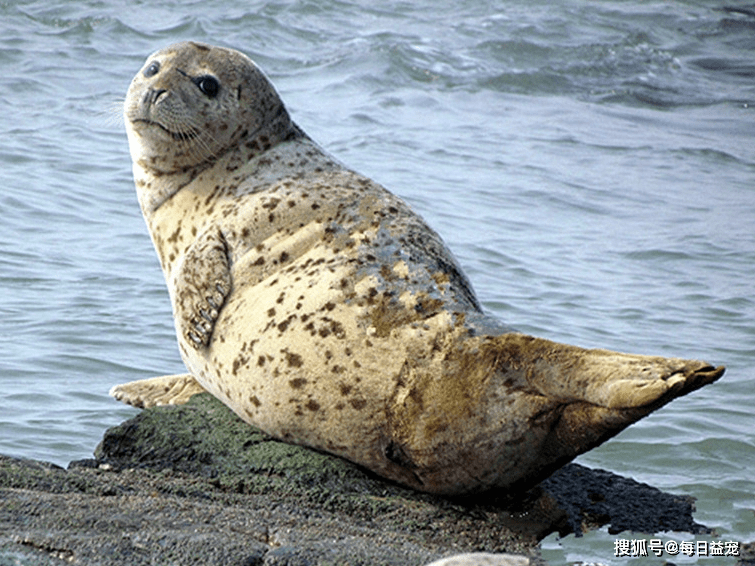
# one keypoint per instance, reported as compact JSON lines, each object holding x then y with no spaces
{"x":153,"y":95}
{"x":157,"y":95}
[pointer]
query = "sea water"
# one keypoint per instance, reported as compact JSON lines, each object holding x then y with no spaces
{"x":591,"y":165}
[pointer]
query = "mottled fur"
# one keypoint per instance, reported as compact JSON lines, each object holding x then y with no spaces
{"x":322,"y":309}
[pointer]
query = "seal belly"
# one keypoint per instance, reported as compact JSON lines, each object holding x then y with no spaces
{"x":315,"y":352}
{"x":290,"y":356}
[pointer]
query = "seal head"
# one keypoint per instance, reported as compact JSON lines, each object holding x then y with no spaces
{"x":191,"y":103}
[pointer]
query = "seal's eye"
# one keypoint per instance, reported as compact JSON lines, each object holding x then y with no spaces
{"x":208,"y":85}
{"x":152,"y":70}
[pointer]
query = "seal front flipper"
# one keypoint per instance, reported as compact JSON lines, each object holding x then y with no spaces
{"x":165,"y":390}
{"x":203,"y":280}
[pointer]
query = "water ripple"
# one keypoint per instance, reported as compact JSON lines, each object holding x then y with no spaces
{"x":590,"y":164}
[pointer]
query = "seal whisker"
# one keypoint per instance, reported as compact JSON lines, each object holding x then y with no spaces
{"x":205,"y":143}
{"x":111,"y":114}
{"x":202,"y":145}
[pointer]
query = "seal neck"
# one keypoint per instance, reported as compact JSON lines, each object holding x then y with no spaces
{"x":155,"y":187}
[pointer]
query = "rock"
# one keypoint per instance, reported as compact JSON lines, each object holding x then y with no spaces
{"x":747,"y":554}
{"x":483,"y":559}
{"x":193,"y":484}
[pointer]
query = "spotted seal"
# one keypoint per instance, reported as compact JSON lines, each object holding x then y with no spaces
{"x":320,"y":308}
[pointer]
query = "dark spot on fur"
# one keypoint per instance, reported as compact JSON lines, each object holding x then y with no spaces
{"x":416,"y":396}
{"x":238,"y":362}
{"x":271,"y":204}
{"x":312,"y":405}
{"x":396,"y":455}
{"x":297,"y":383}
{"x":284,"y":325}
{"x":358,"y":404}
{"x":175,"y":235}
{"x":294,"y":360}
{"x":256,"y":402}
{"x":338,"y":330}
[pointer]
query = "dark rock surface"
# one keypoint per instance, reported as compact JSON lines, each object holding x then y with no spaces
{"x":196,"y":485}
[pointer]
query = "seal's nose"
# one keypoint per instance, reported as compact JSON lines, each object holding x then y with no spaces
{"x":153,"y":95}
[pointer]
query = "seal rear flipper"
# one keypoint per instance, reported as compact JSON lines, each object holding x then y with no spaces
{"x":582,"y":426}
{"x":507,"y":411}
{"x":603,"y":378}
{"x":164,"y":390}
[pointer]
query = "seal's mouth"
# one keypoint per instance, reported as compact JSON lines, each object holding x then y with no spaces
{"x":178,"y":136}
